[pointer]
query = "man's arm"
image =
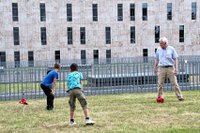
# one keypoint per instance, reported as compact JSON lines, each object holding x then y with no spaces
{"x":176,"y":66}
{"x":155,"y":66}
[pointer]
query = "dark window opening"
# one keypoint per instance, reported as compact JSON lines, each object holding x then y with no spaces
{"x":17,"y":58}
{"x":83,"y":57}
{"x":181,"y":33}
{"x":108,"y":35}
{"x":155,"y":50}
{"x":194,"y":10}
{"x":95,"y":12}
{"x":96,"y":56}
{"x":15,"y":11}
{"x":108,"y":56}
{"x":144,"y":12}
{"x":43,"y":36}
{"x":120,"y":12}
{"x":30,"y":59}
{"x":16,"y":35}
{"x":132,"y":34}
{"x":69,"y":35}
{"x":57,"y":56}
{"x":42,"y":12}
{"x":82,"y":35}
{"x":145,"y":55}
{"x":169,"y":11}
{"x":3,"y":59}
{"x":157,"y":34}
{"x":69,"y":12}
{"x":132,"y":12}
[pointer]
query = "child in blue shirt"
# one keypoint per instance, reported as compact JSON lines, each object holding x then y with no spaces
{"x":48,"y":85}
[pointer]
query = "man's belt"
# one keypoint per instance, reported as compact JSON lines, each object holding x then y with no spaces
{"x":166,"y":66}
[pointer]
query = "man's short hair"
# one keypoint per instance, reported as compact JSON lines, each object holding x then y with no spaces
{"x":163,"y":39}
{"x":74,"y":67}
{"x":56,"y":66}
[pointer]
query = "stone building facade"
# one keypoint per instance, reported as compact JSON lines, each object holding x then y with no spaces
{"x":33,"y":30}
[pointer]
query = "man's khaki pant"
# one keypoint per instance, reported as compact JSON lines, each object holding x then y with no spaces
{"x":164,"y":73}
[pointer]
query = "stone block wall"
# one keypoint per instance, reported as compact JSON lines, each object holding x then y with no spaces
{"x":56,"y":26}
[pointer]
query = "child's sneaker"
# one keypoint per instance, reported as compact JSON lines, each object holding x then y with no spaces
{"x":49,"y":108}
{"x":89,"y":122}
{"x":181,"y":99}
{"x":72,"y":123}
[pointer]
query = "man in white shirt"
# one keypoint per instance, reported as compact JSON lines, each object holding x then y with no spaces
{"x":166,"y":66}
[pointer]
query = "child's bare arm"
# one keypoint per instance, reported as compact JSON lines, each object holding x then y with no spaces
{"x":81,"y":86}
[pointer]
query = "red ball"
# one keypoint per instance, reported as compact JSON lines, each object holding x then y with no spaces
{"x":160,"y":100}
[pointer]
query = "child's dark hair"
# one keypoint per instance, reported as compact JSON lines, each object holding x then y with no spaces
{"x":56,"y":66}
{"x":74,"y":67}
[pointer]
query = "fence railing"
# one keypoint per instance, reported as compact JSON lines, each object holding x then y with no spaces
{"x":127,"y":75}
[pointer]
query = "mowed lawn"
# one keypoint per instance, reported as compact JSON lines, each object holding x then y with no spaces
{"x":123,"y":113}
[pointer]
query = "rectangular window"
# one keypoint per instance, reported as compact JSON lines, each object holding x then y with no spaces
{"x":108,"y":56}
{"x":132,"y":34}
{"x":30,"y":59}
{"x":17,"y":58}
{"x":119,"y":12}
{"x":157,"y":34}
{"x":3,"y":59}
{"x":16,"y":35}
{"x":181,"y":33}
{"x":144,"y":12}
{"x":132,"y":12}
{"x":145,"y":55}
{"x":83,"y":56}
{"x":96,"y":56}
{"x":57,"y":56}
{"x":108,"y":35}
{"x":69,"y":12}
{"x":82,"y":35}
{"x":169,"y":11}
{"x":69,"y":35}
{"x":43,"y":36}
{"x":95,"y":12}
{"x":42,"y":12}
{"x":15,"y":11}
{"x":194,"y":10}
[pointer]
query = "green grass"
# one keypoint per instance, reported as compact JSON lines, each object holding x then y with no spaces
{"x":125,"y":113}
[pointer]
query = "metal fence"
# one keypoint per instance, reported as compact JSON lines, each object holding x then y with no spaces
{"x":125,"y":75}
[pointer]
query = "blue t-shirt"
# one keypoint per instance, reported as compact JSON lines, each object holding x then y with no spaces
{"x":74,"y":80}
{"x":48,"y":79}
{"x":166,"y":56}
